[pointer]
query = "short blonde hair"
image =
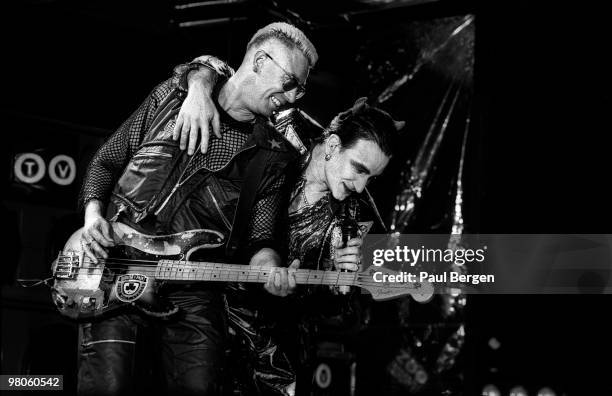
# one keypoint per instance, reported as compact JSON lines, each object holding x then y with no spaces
{"x":289,"y":35}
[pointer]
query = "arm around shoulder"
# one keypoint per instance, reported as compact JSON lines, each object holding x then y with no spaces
{"x":199,"y":111}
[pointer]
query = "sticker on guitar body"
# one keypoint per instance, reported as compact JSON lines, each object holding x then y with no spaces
{"x":131,"y":286}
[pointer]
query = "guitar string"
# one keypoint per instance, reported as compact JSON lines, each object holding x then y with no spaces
{"x":156,"y":263}
{"x":192,"y":266}
{"x":185,"y":264}
{"x":335,"y":276}
{"x":323,"y":279}
{"x":195,"y":270}
{"x":187,"y":267}
{"x":115,"y":264}
{"x":115,"y":259}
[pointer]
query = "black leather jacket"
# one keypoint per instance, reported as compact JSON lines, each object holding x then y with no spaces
{"x":151,"y":192}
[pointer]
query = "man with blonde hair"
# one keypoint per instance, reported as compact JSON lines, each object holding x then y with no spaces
{"x":235,"y":185}
{"x":260,"y":51}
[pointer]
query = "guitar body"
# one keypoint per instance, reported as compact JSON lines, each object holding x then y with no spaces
{"x":83,"y":289}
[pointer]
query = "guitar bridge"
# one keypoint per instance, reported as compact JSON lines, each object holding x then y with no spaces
{"x":66,"y":265}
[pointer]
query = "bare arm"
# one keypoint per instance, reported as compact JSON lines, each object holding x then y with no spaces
{"x":198,"y":111}
{"x":97,"y":233}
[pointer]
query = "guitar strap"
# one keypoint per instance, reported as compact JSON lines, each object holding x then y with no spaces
{"x":252,"y":180}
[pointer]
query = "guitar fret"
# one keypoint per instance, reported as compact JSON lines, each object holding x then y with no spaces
{"x":204,"y":271}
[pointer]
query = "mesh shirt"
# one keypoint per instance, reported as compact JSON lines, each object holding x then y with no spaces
{"x":110,"y":160}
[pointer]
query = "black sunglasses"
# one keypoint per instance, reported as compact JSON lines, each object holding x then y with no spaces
{"x":292,"y":82}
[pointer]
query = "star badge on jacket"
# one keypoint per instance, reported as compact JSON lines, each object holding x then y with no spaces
{"x":274,"y":144}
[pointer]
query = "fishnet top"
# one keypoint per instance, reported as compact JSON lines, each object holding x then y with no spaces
{"x":112,"y":157}
{"x":110,"y":160}
{"x":309,"y":228}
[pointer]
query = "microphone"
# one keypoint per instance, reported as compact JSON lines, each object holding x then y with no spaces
{"x":349,"y":229}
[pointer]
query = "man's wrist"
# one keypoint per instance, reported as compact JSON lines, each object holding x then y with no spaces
{"x":93,"y":209}
{"x":201,"y":79}
{"x":266,"y":257}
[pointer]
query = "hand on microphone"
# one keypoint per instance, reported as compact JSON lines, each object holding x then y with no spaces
{"x":349,"y":257}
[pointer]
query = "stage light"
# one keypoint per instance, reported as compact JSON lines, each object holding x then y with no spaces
{"x":490,"y":390}
{"x":494,"y":343}
{"x":518,"y":391}
{"x":546,"y":392}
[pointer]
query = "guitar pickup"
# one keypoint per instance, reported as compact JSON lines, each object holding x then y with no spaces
{"x":64,"y":272}
{"x":66,"y":265}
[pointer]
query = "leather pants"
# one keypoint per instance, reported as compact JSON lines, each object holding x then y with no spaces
{"x":188,"y":350}
{"x":186,"y":353}
{"x":266,"y":364}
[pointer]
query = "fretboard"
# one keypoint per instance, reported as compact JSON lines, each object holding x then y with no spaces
{"x":194,"y":271}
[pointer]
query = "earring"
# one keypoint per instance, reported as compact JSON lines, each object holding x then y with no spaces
{"x":327,"y":157}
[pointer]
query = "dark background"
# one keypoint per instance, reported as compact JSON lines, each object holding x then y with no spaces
{"x":73,"y":71}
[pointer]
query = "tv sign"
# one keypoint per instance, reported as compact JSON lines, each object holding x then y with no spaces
{"x":30,"y":168}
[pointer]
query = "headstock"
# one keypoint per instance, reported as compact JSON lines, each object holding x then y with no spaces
{"x":386,"y":284}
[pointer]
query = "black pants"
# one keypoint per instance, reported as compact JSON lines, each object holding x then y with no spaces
{"x":188,"y":350}
{"x":268,"y":370}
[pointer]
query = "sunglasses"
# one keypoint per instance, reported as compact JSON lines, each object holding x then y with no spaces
{"x":291,"y":82}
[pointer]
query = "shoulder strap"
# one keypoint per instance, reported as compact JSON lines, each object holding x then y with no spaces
{"x":248,"y":193}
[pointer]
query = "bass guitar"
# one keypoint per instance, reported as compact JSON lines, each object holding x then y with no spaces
{"x":138,"y":263}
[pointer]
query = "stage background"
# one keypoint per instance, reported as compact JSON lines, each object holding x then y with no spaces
{"x":74,"y":71}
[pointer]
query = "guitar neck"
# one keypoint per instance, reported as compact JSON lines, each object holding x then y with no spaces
{"x":194,"y":271}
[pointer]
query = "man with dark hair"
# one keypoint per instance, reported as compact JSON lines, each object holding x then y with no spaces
{"x":234,"y":185}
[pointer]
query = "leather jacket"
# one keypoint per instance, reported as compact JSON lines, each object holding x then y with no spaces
{"x":158,"y":179}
